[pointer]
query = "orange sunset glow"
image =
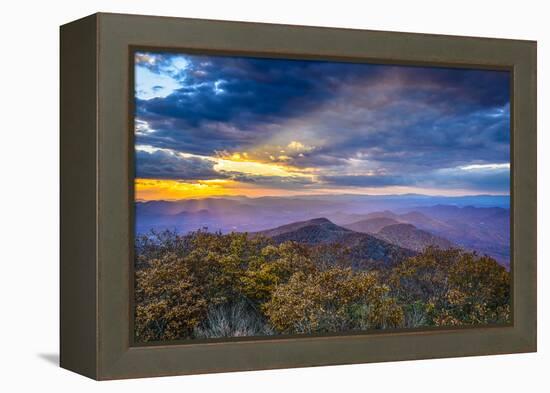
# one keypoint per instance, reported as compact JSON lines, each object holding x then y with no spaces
{"x":159,"y":189}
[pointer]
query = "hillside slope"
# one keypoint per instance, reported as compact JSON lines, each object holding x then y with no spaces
{"x":364,"y":250}
{"x":371,"y":225}
{"x":408,"y":236}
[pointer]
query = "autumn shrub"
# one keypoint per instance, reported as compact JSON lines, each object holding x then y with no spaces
{"x":156,"y":244}
{"x":211,"y":285}
{"x":169,"y":303}
{"x":220,"y":262}
{"x":452,"y":287}
{"x":273,"y":267}
{"x":333,"y":300}
{"x":326,"y":256}
{"x":425,"y":276}
{"x":480,"y":291}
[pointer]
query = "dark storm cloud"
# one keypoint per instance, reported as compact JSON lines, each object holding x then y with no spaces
{"x":445,"y":141}
{"x":168,"y":165}
{"x":252,"y":96}
{"x":177,"y":135}
{"x":165,"y":165}
{"x":486,"y":88}
{"x":406,"y":120}
{"x":247,"y":91}
{"x":493,"y":180}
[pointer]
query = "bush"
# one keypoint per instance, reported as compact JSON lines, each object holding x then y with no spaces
{"x":169,"y":302}
{"x":333,"y":300}
{"x":452,"y":287}
{"x":274,"y":266}
{"x":211,"y":285}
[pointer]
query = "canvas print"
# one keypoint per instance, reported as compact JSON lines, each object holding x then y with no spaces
{"x":280,"y":197}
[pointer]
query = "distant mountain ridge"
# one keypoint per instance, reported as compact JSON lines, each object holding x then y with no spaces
{"x":409,"y":236}
{"x":288,"y":228}
{"x":485,"y":230}
{"x":480,"y":223}
{"x":385,"y":226}
{"x":371,"y":225}
{"x":364,"y":249}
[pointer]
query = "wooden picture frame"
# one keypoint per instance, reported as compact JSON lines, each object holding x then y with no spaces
{"x":97,"y":178}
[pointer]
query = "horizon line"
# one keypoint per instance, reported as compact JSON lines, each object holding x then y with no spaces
{"x":322,"y":195}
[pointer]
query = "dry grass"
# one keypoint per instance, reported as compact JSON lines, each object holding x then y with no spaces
{"x":233,"y":320}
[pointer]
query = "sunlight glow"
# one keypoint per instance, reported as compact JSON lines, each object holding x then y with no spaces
{"x":256,"y":168}
{"x":161,"y":189}
{"x":150,"y":189}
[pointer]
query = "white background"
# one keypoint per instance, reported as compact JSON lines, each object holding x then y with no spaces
{"x":29,"y":194}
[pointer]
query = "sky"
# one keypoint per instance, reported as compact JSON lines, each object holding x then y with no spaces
{"x":220,"y":125}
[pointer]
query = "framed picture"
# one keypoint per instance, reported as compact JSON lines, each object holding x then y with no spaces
{"x":241,"y":196}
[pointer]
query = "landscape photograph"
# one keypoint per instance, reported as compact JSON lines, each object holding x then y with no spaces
{"x":278,"y":197}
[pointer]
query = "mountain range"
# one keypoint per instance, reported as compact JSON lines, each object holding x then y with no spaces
{"x":485,"y":230}
{"x":408,"y":236}
{"x":364,"y":250}
{"x":480,"y":223}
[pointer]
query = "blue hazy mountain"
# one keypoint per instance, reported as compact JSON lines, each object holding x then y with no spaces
{"x":480,"y":222}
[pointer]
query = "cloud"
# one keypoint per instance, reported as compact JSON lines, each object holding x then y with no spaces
{"x":287,"y":182}
{"x":233,"y":102}
{"x":488,"y":178}
{"x":352,"y":124}
{"x":475,"y":167}
{"x":161,"y":164}
{"x":482,"y":178}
